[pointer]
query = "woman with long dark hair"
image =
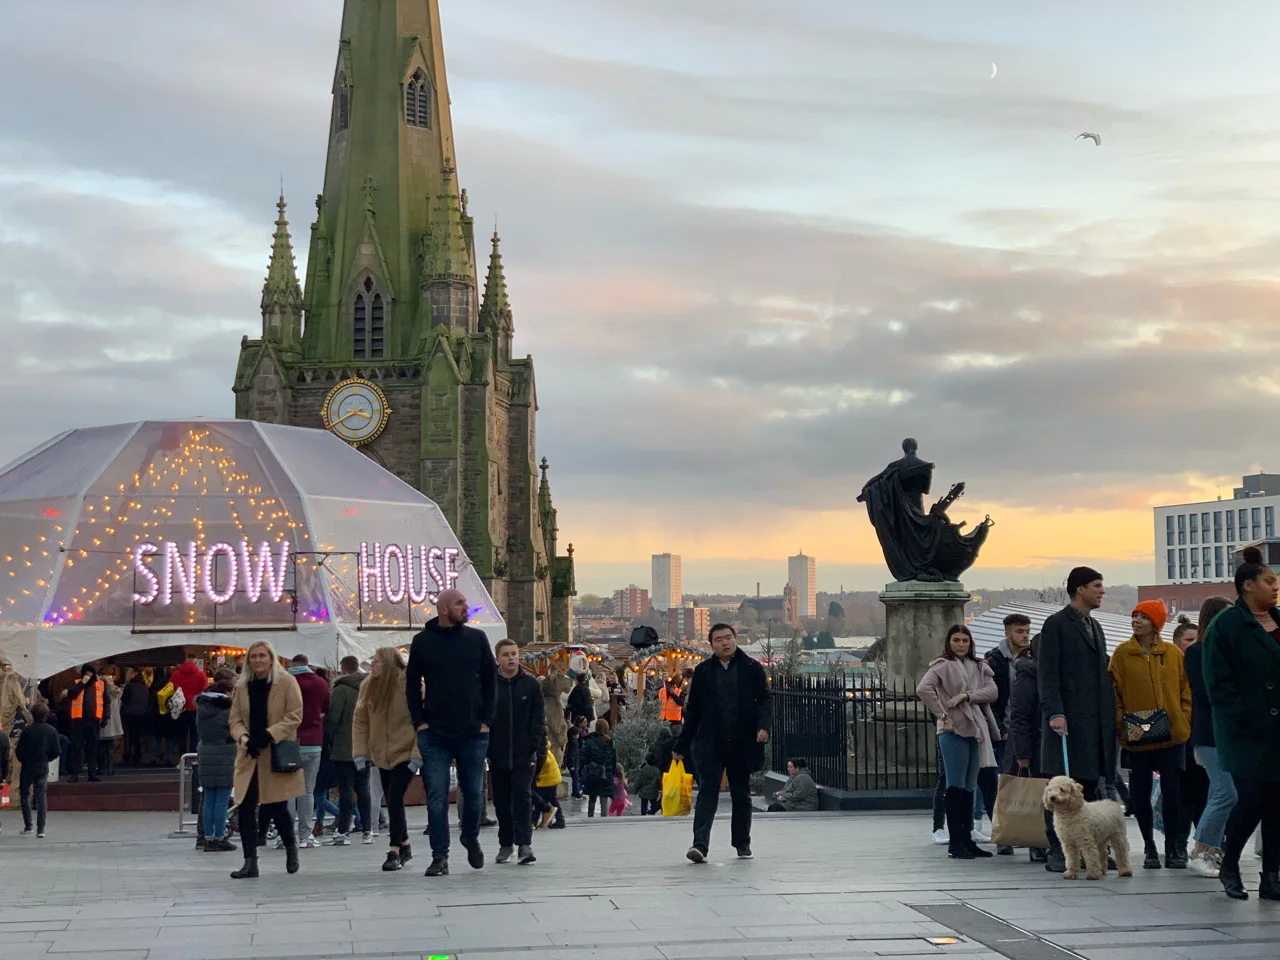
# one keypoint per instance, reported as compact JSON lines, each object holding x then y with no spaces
{"x":266,"y":709}
{"x":382,"y":733}
{"x":1206,"y":856}
{"x":959,"y":689}
{"x":1242,"y":677}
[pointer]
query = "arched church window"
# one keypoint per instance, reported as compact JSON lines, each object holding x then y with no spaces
{"x":417,"y":101}
{"x":360,"y":329}
{"x":376,"y":328}
{"x":344,"y":103}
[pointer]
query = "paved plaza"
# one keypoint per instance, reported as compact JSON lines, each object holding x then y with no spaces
{"x":115,"y":887}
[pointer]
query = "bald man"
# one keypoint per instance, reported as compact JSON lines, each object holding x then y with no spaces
{"x":450,"y":684}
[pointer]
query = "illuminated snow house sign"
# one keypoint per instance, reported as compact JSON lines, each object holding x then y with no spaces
{"x":124,"y":538}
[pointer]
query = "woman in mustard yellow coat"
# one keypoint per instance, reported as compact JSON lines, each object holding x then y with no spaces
{"x":1148,"y":674}
{"x":266,"y":709}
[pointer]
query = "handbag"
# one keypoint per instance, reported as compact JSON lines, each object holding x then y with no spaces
{"x":1148,"y":727}
{"x":286,"y":757}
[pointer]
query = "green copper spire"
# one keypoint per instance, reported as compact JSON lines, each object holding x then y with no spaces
{"x":381,"y":226}
{"x":281,"y":294}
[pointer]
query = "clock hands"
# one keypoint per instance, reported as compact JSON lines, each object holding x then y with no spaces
{"x":362,"y":413}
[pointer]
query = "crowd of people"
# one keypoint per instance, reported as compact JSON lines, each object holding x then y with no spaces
{"x":1194,"y":720}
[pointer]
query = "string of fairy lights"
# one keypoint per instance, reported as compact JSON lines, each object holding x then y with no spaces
{"x":191,"y":471}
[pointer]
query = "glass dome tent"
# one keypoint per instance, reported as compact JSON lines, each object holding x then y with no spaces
{"x":217,"y":532}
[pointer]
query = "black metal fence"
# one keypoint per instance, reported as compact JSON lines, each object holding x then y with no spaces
{"x":857,"y":731}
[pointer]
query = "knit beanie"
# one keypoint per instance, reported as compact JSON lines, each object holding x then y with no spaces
{"x":1155,"y":612}
{"x":1081,"y":577}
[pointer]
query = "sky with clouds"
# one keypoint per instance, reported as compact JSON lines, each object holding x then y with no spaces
{"x":750,"y":245}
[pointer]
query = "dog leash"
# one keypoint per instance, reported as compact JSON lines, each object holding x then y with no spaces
{"x":1066,"y":764}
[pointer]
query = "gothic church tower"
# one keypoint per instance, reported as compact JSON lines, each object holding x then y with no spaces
{"x":391,"y":316}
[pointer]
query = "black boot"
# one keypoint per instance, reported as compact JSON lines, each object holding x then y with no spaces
{"x":1055,"y":860}
{"x":290,"y":838}
{"x":1175,"y":853}
{"x":957,"y":825}
{"x":247,"y":872}
{"x":1229,"y":877}
{"x":406,"y":854}
{"x":977,"y":851}
{"x":1151,"y":856}
{"x":1269,"y":886}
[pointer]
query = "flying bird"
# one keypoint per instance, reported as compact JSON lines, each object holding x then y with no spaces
{"x":1097,"y":140}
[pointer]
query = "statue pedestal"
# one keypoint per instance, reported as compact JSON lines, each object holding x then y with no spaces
{"x":917,"y":615}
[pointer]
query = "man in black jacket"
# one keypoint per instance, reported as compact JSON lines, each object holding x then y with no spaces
{"x":1016,"y":643}
{"x":449,"y":684}
{"x":580,"y":703}
{"x":726,"y":723}
{"x":516,"y":747}
{"x":38,"y":746}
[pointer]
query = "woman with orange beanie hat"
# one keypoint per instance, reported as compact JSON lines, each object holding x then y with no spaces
{"x":1153,"y":719}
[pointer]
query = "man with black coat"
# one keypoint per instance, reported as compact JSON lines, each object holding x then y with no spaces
{"x":580,"y":702}
{"x":450,"y":688}
{"x":726,"y":724}
{"x":1016,"y":643}
{"x":1076,"y":697}
{"x":517,"y":743}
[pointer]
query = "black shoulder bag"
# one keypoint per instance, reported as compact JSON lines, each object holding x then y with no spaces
{"x":286,"y":757}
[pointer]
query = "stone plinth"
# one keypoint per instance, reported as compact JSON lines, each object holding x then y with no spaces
{"x":917,"y":614}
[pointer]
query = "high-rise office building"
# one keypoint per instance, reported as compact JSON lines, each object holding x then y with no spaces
{"x":802,"y":574}
{"x":667,"y":582}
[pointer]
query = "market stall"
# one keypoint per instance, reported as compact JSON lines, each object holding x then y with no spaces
{"x":123,"y":538}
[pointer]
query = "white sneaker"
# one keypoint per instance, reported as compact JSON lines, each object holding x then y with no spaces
{"x":368,"y":839}
{"x":1204,"y":866}
{"x":940,"y":838}
{"x":338,"y":840}
{"x":980,"y":835}
{"x":309,"y":842}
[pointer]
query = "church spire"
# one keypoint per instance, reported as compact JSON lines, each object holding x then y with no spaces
{"x":390,"y":125}
{"x":495,"y":313}
{"x":281,"y":294}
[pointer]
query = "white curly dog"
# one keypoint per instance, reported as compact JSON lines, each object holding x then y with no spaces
{"x":1087,"y":830}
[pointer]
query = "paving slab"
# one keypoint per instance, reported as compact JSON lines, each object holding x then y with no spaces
{"x":116,"y":886}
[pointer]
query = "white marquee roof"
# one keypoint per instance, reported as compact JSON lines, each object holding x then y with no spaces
{"x":74,"y":510}
{"x":988,"y":627}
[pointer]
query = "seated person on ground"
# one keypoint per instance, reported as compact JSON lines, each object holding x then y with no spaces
{"x":799,"y":793}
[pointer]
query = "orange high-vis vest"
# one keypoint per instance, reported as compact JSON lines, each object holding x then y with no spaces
{"x":670,"y":709}
{"x":77,"y":705}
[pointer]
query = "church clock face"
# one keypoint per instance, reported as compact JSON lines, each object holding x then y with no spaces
{"x":356,"y":411}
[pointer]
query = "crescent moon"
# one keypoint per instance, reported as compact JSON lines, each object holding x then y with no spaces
{"x":993,"y":72}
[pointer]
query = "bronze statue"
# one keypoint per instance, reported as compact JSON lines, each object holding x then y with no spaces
{"x":919,"y":545}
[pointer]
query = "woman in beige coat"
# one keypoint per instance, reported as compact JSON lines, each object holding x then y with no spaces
{"x":13,"y":701}
{"x":383,"y":734}
{"x":266,"y":709}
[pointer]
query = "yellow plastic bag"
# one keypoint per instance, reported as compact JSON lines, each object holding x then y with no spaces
{"x":677,"y":791}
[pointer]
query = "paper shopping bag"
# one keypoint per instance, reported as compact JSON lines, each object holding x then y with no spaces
{"x":1018,"y":820}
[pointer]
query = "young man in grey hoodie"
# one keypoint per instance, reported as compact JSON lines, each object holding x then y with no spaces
{"x":1016,"y":643}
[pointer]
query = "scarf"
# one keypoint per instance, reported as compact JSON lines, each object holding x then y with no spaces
{"x":259,"y":691}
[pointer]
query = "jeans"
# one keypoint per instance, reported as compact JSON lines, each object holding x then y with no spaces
{"x":469,"y":754}
{"x":375,"y":802}
{"x":960,"y":759}
{"x":512,"y":804}
{"x":712,"y":764}
{"x":352,"y":783}
{"x":575,"y":775}
{"x":394,"y":783}
{"x":214,"y":811}
{"x":1257,"y":802}
{"x":1222,"y":798}
{"x":303,"y":807}
{"x":323,"y":805}
{"x":1142,"y":764}
{"x":33,"y":790}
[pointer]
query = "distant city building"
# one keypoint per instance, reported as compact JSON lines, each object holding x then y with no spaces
{"x":1197,"y":542}
{"x":630,"y":602}
{"x":790,"y":608}
{"x":688,"y":623}
{"x":667,"y":582}
{"x":802,"y":574}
